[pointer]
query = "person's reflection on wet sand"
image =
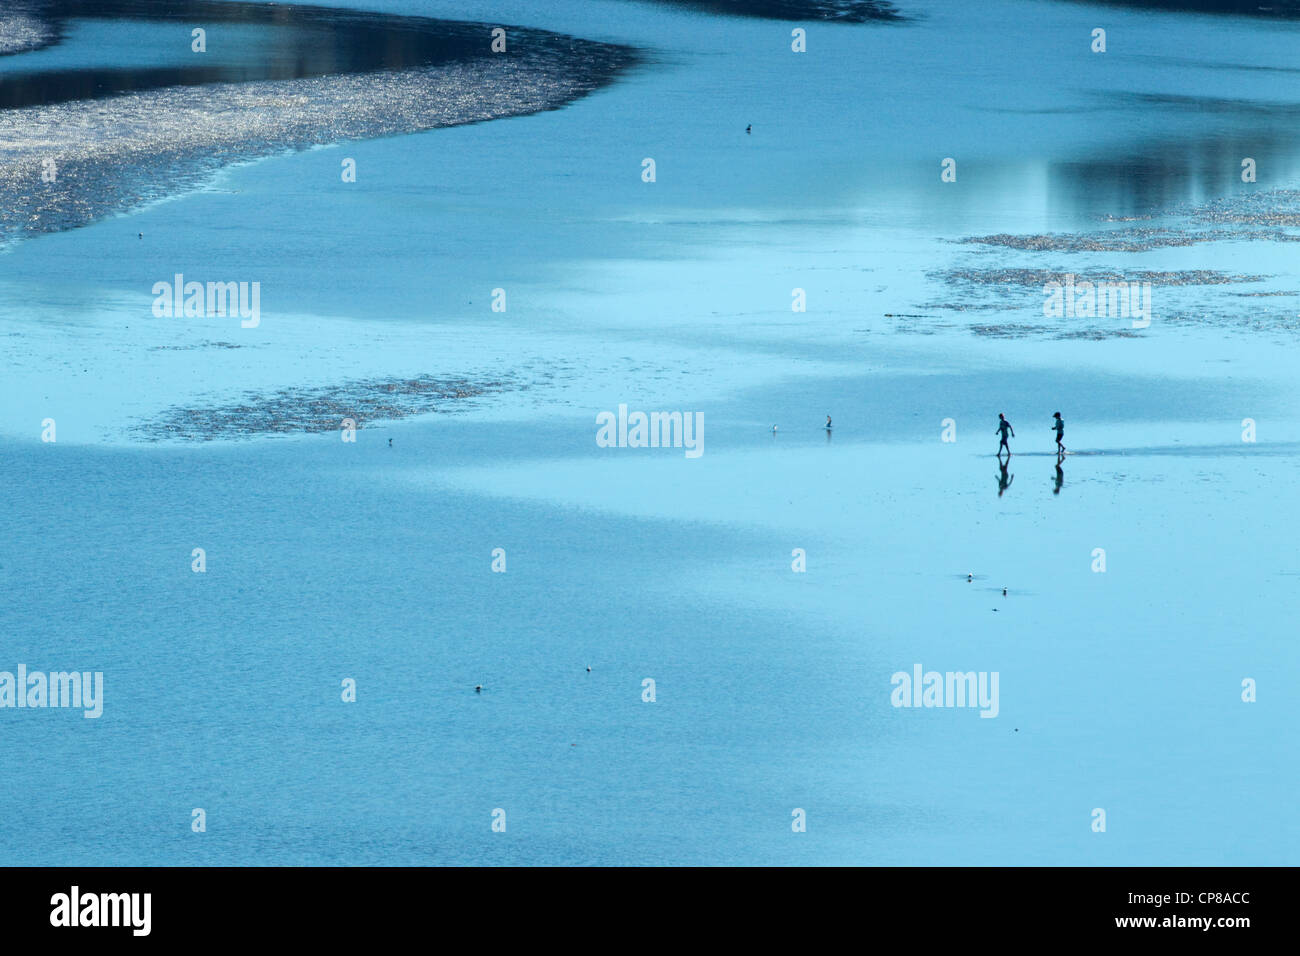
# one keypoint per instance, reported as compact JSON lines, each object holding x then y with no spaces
{"x":1004,"y":480}
{"x":1060,"y":477}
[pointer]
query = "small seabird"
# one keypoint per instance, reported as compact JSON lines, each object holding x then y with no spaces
{"x":390,"y":443}
{"x":828,"y":422}
{"x":588,"y":668}
{"x":141,"y":235}
{"x":773,"y":429}
{"x":749,"y":128}
{"x":478,"y":688}
{"x":1004,"y":592}
{"x":969,"y":577}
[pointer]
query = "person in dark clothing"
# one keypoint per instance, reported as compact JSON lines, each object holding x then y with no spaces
{"x":1060,"y":432}
{"x":1004,"y":427}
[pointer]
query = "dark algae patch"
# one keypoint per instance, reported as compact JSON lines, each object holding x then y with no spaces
{"x":842,"y":11}
{"x":1275,"y":9}
{"x":306,"y":410}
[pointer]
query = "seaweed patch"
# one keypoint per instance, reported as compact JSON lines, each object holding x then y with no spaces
{"x":308,"y":410}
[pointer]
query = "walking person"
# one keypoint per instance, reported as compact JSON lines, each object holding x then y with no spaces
{"x":1060,"y":433}
{"x":1004,"y":427}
